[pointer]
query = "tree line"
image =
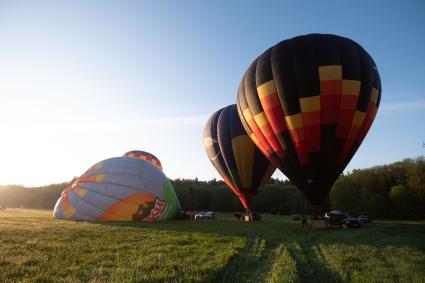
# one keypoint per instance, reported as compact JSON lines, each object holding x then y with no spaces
{"x":396,"y":190}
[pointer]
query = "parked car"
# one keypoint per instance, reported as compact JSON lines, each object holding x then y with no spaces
{"x":341,"y":219}
{"x":189,"y":215}
{"x":205,"y":215}
{"x":296,"y":217}
{"x":364,"y":218}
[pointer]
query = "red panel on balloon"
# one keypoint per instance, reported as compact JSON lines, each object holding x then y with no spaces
{"x":330,"y":87}
{"x":330,"y":102}
{"x":270,"y":101}
{"x":297,"y":134}
{"x":312,"y":137}
{"x":353,"y":132}
{"x":276,"y":118}
{"x":312,"y":132}
{"x":349,"y":102}
{"x":311,"y":118}
{"x":346,"y":117}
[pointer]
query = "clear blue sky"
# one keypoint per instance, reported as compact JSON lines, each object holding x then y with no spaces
{"x":81,"y":81}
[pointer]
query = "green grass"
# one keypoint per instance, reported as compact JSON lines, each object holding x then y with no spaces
{"x":36,"y":248}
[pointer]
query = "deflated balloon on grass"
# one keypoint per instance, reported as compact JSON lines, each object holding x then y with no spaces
{"x":119,"y":189}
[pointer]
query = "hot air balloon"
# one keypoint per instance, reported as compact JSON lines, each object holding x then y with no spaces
{"x":119,"y":189}
{"x":241,"y":165}
{"x":145,"y":156}
{"x":308,"y":103}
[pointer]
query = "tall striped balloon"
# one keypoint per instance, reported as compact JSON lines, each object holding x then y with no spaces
{"x":235,"y":157}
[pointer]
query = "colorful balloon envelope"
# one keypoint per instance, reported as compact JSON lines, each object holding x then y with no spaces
{"x":119,"y":189}
{"x":308,"y":102}
{"x":144,"y":156}
{"x":239,"y":162}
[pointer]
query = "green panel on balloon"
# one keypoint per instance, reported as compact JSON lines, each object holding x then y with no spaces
{"x":172,"y":201}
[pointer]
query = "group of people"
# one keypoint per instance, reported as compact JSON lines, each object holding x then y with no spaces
{"x":247,"y":216}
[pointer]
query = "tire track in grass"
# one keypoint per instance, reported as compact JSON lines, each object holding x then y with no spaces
{"x":251,"y":264}
{"x":284,"y":267}
{"x":311,"y":265}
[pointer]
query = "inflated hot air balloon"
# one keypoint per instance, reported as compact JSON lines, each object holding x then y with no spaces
{"x":308,"y":102}
{"x":241,"y":165}
{"x":119,"y":189}
{"x":145,"y":156}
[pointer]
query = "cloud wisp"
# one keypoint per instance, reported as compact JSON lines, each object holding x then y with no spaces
{"x":392,"y":106}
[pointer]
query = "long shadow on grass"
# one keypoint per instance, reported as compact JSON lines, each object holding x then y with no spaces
{"x":376,"y":235}
{"x":255,"y":262}
{"x":311,"y":264}
{"x":258,"y":260}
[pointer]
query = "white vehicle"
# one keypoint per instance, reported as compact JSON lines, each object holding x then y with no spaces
{"x":205,"y":215}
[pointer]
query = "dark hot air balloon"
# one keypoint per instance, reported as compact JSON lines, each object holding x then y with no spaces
{"x":239,"y":162}
{"x":308,"y":102}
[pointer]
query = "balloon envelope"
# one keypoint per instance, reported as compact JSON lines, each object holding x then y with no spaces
{"x":144,"y":156}
{"x":308,"y":102}
{"x":119,"y":189}
{"x":241,"y":165}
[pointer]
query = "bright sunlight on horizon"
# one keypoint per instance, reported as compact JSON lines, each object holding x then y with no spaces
{"x":81,"y":81}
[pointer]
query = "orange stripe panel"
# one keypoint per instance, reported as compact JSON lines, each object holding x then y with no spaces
{"x":270,"y":101}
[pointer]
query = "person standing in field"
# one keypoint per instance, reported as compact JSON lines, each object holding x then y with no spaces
{"x":303,"y":220}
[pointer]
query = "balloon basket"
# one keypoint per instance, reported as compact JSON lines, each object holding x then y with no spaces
{"x":252,"y":216}
{"x":319,"y":224}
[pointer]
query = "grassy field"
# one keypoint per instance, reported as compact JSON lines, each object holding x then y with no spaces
{"x":36,"y":248}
